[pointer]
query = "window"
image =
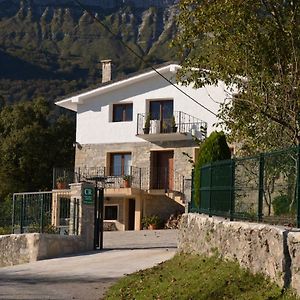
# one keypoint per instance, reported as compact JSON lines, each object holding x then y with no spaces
{"x":122,"y":112}
{"x":111,"y":212}
{"x":120,"y":164}
{"x":161,"y":110}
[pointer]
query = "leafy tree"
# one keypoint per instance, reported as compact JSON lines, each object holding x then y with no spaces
{"x":214,"y":148}
{"x":32,"y":141}
{"x":254,"y":47}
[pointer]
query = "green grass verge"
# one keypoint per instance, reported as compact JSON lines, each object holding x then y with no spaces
{"x":195,"y":277}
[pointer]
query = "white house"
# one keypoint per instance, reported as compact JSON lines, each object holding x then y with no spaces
{"x":141,"y":126}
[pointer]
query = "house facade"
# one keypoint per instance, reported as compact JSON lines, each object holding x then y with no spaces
{"x":134,"y":134}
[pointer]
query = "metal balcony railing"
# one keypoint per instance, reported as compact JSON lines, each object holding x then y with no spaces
{"x":179,"y":123}
{"x":140,"y":178}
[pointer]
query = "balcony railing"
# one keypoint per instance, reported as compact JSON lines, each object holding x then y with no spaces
{"x":139,"y":178}
{"x":180,"y":123}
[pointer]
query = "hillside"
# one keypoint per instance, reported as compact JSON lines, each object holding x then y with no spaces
{"x":51,"y":48}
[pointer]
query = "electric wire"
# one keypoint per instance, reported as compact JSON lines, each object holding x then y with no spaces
{"x":139,"y":56}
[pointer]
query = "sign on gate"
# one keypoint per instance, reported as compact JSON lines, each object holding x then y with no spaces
{"x":88,"y":196}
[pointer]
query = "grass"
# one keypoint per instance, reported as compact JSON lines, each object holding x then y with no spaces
{"x":195,"y":277}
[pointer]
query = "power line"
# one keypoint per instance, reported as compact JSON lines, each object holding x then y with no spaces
{"x":139,"y":56}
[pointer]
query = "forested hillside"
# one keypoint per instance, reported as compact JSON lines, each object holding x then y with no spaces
{"x":50,"y":48}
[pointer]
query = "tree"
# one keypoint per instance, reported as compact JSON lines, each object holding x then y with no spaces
{"x":254,"y":47}
{"x":214,"y":148}
{"x":32,"y":141}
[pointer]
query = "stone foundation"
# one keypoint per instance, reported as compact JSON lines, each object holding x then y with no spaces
{"x":271,"y":250}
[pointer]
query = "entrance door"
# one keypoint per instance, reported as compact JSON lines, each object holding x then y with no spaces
{"x":162,"y":170}
{"x":131,"y":214}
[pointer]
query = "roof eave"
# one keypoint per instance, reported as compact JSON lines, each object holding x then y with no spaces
{"x":72,"y":102}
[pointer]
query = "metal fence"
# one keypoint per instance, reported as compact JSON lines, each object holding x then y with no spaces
{"x":263,"y":188}
{"x":45,"y":212}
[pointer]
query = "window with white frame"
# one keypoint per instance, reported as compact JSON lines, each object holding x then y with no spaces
{"x":111,"y":212}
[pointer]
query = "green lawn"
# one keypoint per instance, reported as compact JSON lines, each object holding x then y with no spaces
{"x":195,"y":277}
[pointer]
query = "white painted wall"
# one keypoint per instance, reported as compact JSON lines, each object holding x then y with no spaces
{"x":94,"y":124}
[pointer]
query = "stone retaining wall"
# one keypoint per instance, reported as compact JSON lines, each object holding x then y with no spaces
{"x":272,"y":250}
{"x":23,"y":248}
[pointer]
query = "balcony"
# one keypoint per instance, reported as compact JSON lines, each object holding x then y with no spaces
{"x":154,"y":180}
{"x":181,"y":126}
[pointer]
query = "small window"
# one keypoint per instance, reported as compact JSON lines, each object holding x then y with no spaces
{"x":122,"y":112}
{"x":111,"y":212}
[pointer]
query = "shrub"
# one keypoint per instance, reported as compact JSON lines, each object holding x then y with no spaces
{"x":151,"y":220}
{"x":281,"y":205}
{"x":214,"y":148}
{"x":147,"y":121}
{"x":5,"y":230}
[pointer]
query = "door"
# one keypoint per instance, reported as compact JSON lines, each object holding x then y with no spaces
{"x":163,"y":112}
{"x":131,"y":214}
{"x":162,"y":170}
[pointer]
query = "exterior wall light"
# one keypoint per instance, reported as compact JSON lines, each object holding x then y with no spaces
{"x":77,"y":145}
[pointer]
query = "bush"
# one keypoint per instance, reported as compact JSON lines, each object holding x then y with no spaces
{"x":214,"y":148}
{"x":281,"y":205}
{"x":152,"y":220}
{"x":5,"y":230}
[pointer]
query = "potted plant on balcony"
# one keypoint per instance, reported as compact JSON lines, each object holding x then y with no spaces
{"x":127,"y":181}
{"x":146,"y":129}
{"x":173,"y":124}
{"x":61,"y":183}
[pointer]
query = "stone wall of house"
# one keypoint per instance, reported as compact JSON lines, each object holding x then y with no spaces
{"x":271,"y":250}
{"x":23,"y":248}
{"x":97,"y":155}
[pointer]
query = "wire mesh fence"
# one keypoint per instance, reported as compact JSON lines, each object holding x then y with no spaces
{"x":263,"y":188}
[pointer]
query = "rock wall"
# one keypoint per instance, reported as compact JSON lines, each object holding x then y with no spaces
{"x":271,"y":250}
{"x":23,"y":248}
{"x":97,"y":155}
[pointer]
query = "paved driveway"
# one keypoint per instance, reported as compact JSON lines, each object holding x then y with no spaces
{"x":87,"y":276}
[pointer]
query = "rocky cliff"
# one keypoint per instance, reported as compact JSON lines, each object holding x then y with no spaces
{"x":43,"y":41}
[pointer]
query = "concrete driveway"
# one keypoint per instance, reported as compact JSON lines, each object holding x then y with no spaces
{"x":87,"y":276}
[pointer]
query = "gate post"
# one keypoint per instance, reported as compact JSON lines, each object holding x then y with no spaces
{"x":210,"y":190}
{"x":261,"y":187}
{"x":191,"y":203}
{"x":298,"y":186}
{"x":22,"y":213}
{"x":82,"y":195}
{"x":232,"y":190}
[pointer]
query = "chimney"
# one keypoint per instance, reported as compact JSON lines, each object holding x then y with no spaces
{"x":106,"y":70}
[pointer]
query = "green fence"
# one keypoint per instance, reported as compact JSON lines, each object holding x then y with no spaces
{"x":263,"y":188}
{"x":45,"y":212}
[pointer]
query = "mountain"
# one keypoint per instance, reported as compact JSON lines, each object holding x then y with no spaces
{"x":50,"y":48}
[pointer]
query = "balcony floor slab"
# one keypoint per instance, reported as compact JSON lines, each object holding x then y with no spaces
{"x":173,"y":136}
